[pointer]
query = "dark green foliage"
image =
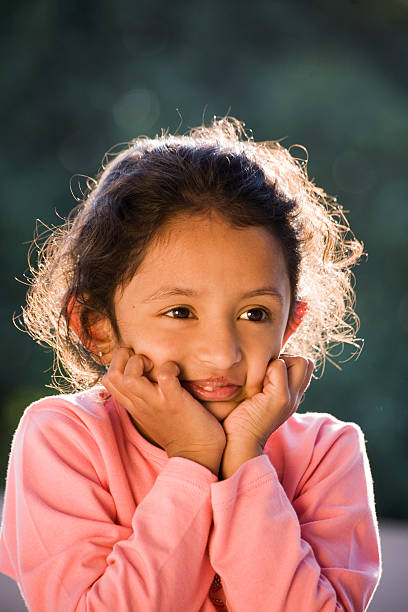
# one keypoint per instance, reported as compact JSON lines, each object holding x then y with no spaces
{"x":79,"y":77}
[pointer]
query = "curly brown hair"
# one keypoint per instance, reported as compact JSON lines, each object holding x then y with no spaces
{"x":216,"y":168}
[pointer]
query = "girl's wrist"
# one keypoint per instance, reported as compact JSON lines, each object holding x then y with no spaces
{"x":211,"y":462}
{"x":236,"y":453}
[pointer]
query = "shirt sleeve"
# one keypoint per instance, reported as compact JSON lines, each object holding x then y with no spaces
{"x":60,"y":540}
{"x":320,"y":552}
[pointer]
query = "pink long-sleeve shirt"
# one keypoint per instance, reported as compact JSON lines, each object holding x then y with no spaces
{"x":98,"y":519}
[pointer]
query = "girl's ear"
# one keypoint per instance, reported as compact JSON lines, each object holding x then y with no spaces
{"x":299,"y":309}
{"x":103,"y":342}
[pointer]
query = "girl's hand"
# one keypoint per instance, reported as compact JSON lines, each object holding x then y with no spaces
{"x":251,"y":423}
{"x":165,"y":411}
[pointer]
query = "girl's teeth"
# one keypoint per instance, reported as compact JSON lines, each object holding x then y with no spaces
{"x":207,"y":388}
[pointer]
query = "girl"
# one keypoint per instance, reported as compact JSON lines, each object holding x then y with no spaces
{"x":188,"y":298}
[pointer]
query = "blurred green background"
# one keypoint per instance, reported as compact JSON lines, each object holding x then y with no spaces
{"x":79,"y":77}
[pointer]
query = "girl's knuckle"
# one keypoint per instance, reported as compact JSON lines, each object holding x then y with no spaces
{"x":301,"y":363}
{"x":129,"y":383}
{"x":284,"y":397}
{"x":163,"y":376}
{"x":136,"y":363}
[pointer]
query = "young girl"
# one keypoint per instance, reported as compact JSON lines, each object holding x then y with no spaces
{"x":189,"y":298}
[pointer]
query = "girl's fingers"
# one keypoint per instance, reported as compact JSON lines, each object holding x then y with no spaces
{"x":300,"y":370}
{"x":308,"y":376}
{"x":116,"y":369}
{"x":167,"y":377}
{"x":277,"y":377}
{"x":109,"y":383}
{"x":134,"y":377}
{"x":137,"y":366}
{"x":126,"y":374}
{"x":119,"y":360}
{"x":294,"y":377}
{"x":297,"y":367}
{"x":304,"y":386}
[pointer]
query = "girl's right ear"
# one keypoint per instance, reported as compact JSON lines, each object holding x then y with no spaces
{"x":299,"y":310}
{"x":103,"y":342}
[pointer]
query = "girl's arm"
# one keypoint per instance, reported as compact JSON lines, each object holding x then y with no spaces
{"x":67,"y":540}
{"x":306,"y":539}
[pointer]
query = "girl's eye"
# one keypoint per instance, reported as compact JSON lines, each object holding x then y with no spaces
{"x":181,"y":312}
{"x":258,"y":315}
{"x":178,"y":309}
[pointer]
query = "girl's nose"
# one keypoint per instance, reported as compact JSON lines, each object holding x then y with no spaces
{"x":219,"y":346}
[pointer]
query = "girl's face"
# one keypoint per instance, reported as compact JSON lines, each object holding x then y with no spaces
{"x":190,"y":302}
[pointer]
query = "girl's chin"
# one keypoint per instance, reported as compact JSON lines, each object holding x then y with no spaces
{"x":220,"y":409}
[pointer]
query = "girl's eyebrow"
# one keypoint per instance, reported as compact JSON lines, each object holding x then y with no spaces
{"x":166,"y":292}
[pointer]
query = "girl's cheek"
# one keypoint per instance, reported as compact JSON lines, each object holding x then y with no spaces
{"x":159,"y":352}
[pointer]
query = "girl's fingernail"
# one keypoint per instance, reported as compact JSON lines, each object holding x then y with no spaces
{"x":148,"y":363}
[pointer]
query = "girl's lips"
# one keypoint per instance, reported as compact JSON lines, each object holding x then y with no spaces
{"x":222,"y":393}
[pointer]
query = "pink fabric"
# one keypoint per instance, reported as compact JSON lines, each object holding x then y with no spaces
{"x":96,"y":518}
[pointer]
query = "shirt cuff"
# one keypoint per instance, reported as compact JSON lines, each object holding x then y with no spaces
{"x":189,"y":472}
{"x":250,"y":475}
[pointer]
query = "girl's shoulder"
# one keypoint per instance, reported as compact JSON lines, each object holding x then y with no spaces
{"x":319,"y":424}
{"x":77,"y":429}
{"x":85,"y":409}
{"x":322,"y":430}
{"x":315,"y":438}
{"x":91,"y":401}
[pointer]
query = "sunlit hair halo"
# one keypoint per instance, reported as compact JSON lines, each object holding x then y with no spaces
{"x":218,"y":168}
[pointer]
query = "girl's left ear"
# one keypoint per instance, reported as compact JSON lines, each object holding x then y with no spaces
{"x":299,"y":309}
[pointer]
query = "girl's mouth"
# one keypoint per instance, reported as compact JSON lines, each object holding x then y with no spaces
{"x":209,"y":392}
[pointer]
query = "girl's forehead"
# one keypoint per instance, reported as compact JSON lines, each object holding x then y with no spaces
{"x":192,"y":238}
{"x":206,"y":233}
{"x":212,"y":250}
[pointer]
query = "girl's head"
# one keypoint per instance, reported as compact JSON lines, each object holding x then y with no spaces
{"x":209,"y":218}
